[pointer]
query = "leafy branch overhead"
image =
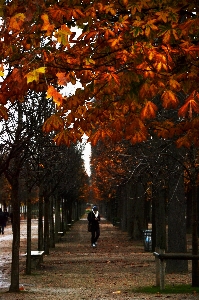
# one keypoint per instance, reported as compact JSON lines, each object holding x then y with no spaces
{"x":132,"y":58}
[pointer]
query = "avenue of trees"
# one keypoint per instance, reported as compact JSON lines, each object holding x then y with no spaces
{"x":36,"y":171}
{"x":138,"y":64}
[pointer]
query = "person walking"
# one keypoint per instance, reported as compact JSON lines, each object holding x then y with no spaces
{"x":2,"y":221}
{"x":94,"y":219}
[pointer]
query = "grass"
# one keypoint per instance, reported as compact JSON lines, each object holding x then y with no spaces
{"x":169,"y":289}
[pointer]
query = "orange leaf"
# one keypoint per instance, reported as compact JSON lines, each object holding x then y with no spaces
{"x":62,"y":79}
{"x":183,"y":141}
{"x":166,"y":37}
{"x":3,"y":112}
{"x":62,"y":138}
{"x":16,"y":22}
{"x":95,"y":137}
{"x":1,"y":70}
{"x":54,"y":122}
{"x":138,"y":137}
{"x":169,"y":100}
{"x":174,"y":84}
{"x":189,"y":107}
{"x":47,"y":26}
{"x":62,"y":35}
{"x":53,"y":93}
{"x":144,"y":91}
{"x":149,"y":111}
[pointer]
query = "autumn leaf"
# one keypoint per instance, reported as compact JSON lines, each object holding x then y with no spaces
{"x":47,"y":26}
{"x":138,"y":137}
{"x":16,"y":22}
{"x":149,"y":111}
{"x":183,"y":141}
{"x":53,"y":93}
{"x":1,"y":70}
{"x":166,"y":37}
{"x":110,"y":9}
{"x":162,"y":15}
{"x":62,"y":79}
{"x":3,"y":112}
{"x":62,"y":138}
{"x":95,"y":137}
{"x":191,"y":105}
{"x":144,"y":90}
{"x":169,"y":100}
{"x":34,"y":75}
{"x":54,"y":122}
{"x":62,"y":35}
{"x":174,"y":84}
{"x":57,"y":13}
{"x":1,"y":7}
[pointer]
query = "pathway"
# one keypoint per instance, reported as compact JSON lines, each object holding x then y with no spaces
{"x":76,"y":271}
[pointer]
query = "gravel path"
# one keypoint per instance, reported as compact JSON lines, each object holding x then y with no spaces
{"x":76,"y":271}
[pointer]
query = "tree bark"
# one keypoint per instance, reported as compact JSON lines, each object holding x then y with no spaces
{"x":195,"y":266}
{"x":40,"y":220}
{"x":57,"y":218}
{"x":160,"y":216}
{"x":176,"y":221}
{"x":46,"y":225}
{"x":28,"y":257}
{"x":14,"y":286}
{"x":52,"y":227}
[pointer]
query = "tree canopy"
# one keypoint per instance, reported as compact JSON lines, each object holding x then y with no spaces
{"x":128,"y":53}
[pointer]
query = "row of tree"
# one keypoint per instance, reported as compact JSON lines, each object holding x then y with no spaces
{"x":152,"y":182}
{"x":34,"y":170}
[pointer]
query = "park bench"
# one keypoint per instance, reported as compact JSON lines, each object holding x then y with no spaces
{"x":160,"y":264}
{"x":36,"y":258}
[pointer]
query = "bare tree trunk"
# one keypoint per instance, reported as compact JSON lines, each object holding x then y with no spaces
{"x":46,"y":225}
{"x":57,"y":218}
{"x":40,"y":220}
{"x":160,"y":216}
{"x":14,"y":287}
{"x":13,"y":177}
{"x":52,"y":227}
{"x":195,"y":267}
{"x":28,"y":257}
{"x":176,"y":221}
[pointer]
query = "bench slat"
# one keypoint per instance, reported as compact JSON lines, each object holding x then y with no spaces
{"x":180,"y":256}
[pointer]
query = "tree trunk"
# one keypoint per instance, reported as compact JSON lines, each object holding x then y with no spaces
{"x":40,"y":220}
{"x":57,"y":218}
{"x":46,"y":225}
{"x":195,"y":267}
{"x":160,"y":217}
{"x":138,"y":211}
{"x":52,"y":227}
{"x":176,"y":221}
{"x":28,"y":257}
{"x":14,"y":287}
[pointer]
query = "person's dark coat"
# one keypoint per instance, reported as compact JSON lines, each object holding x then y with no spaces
{"x":93,"y":220}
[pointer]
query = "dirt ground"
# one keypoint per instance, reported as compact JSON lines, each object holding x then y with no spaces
{"x":76,"y":271}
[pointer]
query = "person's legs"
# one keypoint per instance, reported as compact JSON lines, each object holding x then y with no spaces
{"x":97,"y":234}
{"x":92,"y":237}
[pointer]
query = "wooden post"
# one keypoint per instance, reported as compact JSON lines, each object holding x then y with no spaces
{"x":157,"y":267}
{"x":162,"y":271}
{"x":162,"y":274}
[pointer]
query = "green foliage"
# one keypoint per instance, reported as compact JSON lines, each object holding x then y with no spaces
{"x":169,"y":289}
